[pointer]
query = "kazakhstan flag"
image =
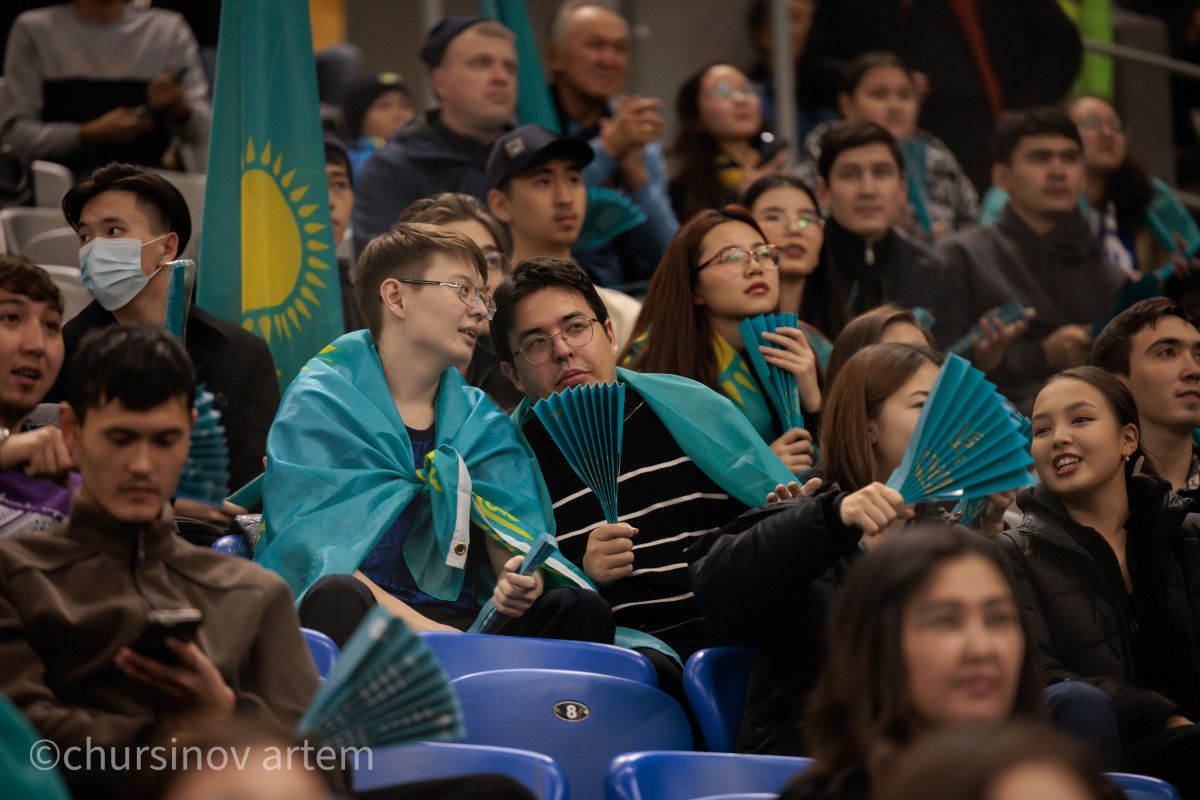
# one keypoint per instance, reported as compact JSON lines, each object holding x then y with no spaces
{"x":267,"y":251}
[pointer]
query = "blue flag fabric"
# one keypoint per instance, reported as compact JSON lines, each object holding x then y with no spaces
{"x":340,"y":471}
{"x":267,"y":258}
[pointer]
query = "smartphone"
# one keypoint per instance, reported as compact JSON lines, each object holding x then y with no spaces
{"x":769,"y":148}
{"x":181,"y":623}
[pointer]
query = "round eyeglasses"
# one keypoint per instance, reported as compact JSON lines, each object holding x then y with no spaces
{"x":768,"y":255}
{"x":538,"y":349}
{"x":467,"y":293}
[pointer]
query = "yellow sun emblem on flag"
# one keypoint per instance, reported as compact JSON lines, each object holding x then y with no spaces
{"x":284,"y":272}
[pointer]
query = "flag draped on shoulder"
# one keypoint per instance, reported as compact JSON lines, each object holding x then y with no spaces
{"x":267,"y":259}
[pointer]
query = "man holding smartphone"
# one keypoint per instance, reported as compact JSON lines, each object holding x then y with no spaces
{"x":76,"y":599}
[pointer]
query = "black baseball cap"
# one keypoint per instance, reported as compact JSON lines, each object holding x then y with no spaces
{"x":442,"y":34}
{"x":527,"y":147}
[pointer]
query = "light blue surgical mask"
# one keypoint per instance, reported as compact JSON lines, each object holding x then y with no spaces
{"x":111,"y":269}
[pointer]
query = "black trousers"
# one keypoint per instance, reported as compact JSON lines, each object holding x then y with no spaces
{"x":470,"y":787}
{"x":336,"y":604}
{"x":1172,"y":755}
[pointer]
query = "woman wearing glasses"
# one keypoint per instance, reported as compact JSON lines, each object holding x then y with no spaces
{"x":720,"y":147}
{"x":718,"y":270}
{"x":1139,"y":221}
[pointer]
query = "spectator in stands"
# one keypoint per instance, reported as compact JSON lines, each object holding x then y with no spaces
{"x":926,"y":634}
{"x":786,"y":210}
{"x":74,"y":600}
{"x":588,"y":59}
{"x":465,"y":214}
{"x":339,"y":176}
{"x":93,"y":81}
{"x":537,"y":190}
{"x":1016,"y":760}
{"x":887,"y":324}
{"x":473,"y":71}
{"x":880,"y":88}
{"x":717,"y":271}
{"x":35,"y":482}
{"x":1138,"y":219}
{"x":812,"y":80}
{"x":717,"y":149}
{"x":131,"y":223}
{"x":351,"y":517}
{"x":1154,"y":348}
{"x":374,"y":106}
{"x":1041,"y":253}
{"x":689,"y":460}
{"x":1105,"y":563}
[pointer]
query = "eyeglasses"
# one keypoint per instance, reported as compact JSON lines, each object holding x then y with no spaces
{"x":539,"y":349}
{"x":767,"y":255}
{"x":1113,"y":126}
{"x":803,"y":221}
{"x":497,"y":260}
{"x":723,"y":91}
{"x":469,"y":294}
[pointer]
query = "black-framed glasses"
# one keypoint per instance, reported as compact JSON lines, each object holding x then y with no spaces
{"x":768,"y":255}
{"x":469,"y":294}
{"x":577,"y":332}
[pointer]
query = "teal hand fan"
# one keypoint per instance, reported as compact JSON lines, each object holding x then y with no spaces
{"x":542,"y":548}
{"x":250,"y":494}
{"x":966,"y":442}
{"x":1008,"y":313}
{"x":587,"y":423}
{"x":387,"y":688}
{"x":924,"y":317}
{"x":180,"y":284}
{"x":609,"y":214}
{"x":205,"y":477}
{"x":778,"y":384}
{"x":971,"y":508}
{"x":916,"y":175}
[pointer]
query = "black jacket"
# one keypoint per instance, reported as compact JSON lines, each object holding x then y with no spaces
{"x":233,"y":364}
{"x":1076,"y":622}
{"x":768,"y":579}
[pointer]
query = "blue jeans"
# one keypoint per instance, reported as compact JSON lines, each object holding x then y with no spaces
{"x":1084,"y":711}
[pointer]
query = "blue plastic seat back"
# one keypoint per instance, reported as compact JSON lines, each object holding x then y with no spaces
{"x":468,"y":653}
{"x":580,"y":719}
{"x":1142,"y":787}
{"x":324,"y":652}
{"x":715,"y":680}
{"x":227,"y":545}
{"x":686,"y":776}
{"x":538,"y":773}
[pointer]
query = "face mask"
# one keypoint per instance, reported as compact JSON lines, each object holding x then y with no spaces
{"x":111,"y":269}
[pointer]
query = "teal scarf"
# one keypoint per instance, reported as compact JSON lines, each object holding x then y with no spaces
{"x":340,"y":470}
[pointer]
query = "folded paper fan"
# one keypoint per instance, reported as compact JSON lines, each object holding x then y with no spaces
{"x":179,"y":295}
{"x":542,"y":548}
{"x":387,"y":688}
{"x":966,"y":442}
{"x":205,"y":477}
{"x":609,"y":214}
{"x":970,"y":508}
{"x":1008,"y":313}
{"x":779,"y":384}
{"x":587,"y":423}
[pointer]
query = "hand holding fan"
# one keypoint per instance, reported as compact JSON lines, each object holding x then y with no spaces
{"x":609,"y":214}
{"x":966,"y":442}
{"x":542,"y":548}
{"x":971,"y":508}
{"x":587,"y":423}
{"x":387,"y":688}
{"x":1008,"y":313}
{"x":205,"y":477}
{"x":778,"y":384}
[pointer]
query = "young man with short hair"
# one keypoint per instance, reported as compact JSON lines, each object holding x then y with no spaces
{"x":131,"y":224}
{"x":473,"y":71}
{"x":1154,"y":348}
{"x":1041,"y":252}
{"x":381,"y":458}
{"x":74,"y":600}
{"x":690,"y":460}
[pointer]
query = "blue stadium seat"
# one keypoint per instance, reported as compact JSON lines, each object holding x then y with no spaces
{"x":582,"y":720}
{"x":324,"y":652}
{"x":538,"y":773}
{"x":467,"y":653}
{"x":1142,"y":787}
{"x":715,"y":680}
{"x":227,"y":545}
{"x":686,"y":776}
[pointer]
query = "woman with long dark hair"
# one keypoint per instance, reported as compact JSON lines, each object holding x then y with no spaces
{"x":1107,"y":565}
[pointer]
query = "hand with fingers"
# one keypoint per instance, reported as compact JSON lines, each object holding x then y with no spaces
{"x":39,"y":453}
{"x":795,"y":450}
{"x":515,"y":593}
{"x":877,"y":509}
{"x":635,"y":123}
{"x":795,"y":354}
{"x":793,"y":489}
{"x":755,"y":168}
{"x":193,"y":684}
{"x":609,"y":554}
{"x":987,"y":350}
